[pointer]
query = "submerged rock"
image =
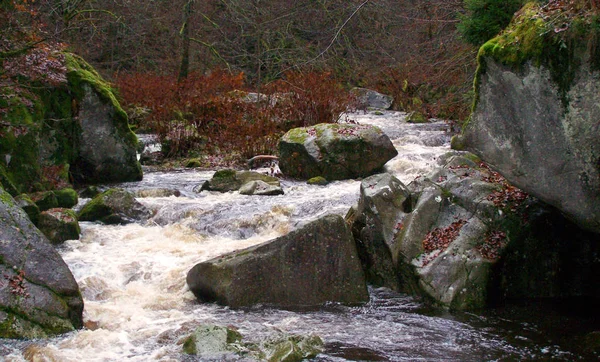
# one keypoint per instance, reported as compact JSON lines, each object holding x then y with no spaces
{"x":38,"y":294}
{"x":308,"y":267}
{"x":536,"y":113}
{"x":334,"y":151}
{"x":114,"y":206}
{"x":259,"y":187}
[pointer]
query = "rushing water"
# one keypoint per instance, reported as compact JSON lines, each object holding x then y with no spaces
{"x":138,"y":307}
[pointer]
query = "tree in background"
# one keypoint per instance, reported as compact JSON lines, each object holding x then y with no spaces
{"x":486,"y":18}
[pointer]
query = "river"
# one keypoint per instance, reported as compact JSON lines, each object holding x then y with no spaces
{"x":138,"y":307}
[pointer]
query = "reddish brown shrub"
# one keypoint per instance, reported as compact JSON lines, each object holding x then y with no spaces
{"x":213,"y":114}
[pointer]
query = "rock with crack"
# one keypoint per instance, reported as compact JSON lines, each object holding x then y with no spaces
{"x":114,"y":206}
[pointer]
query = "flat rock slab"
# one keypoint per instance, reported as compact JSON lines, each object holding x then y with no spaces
{"x":307,"y":267}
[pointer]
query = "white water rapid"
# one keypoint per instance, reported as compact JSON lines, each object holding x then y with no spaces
{"x":138,"y":306}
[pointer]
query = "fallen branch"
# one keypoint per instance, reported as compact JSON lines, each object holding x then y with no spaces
{"x":261,"y":158}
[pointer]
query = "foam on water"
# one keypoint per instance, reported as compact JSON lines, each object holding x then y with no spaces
{"x":138,"y":306}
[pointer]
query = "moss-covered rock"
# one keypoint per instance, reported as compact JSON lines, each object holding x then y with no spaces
{"x":114,"y":206}
{"x":232,"y":180}
{"x":59,"y":225}
{"x":318,"y":180}
{"x":66,"y":198}
{"x":45,"y":200}
{"x":38,"y":294}
{"x":74,"y":129}
{"x":535,"y":116}
{"x":334,"y":151}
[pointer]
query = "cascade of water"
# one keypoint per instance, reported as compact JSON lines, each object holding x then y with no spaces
{"x":138,"y":307}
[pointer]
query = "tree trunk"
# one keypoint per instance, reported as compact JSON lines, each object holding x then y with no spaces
{"x":184,"y":67}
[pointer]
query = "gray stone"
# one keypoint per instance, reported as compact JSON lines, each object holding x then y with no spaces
{"x":232,"y":180}
{"x":114,"y":206}
{"x":542,"y":141}
{"x":107,"y":147}
{"x":334,"y":151}
{"x":308,"y":267}
{"x":59,"y":225}
{"x":38,"y":294}
{"x":369,"y":98}
{"x":259,"y":187}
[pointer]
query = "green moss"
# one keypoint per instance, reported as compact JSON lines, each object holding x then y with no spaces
{"x":223,"y":174}
{"x":417,"y":117}
{"x":80,"y":72}
{"x":319,"y":180}
{"x":297,"y":135}
{"x":66,"y":197}
{"x":532,"y":38}
{"x":96,"y":209}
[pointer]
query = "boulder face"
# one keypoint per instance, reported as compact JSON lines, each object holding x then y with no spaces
{"x":106,"y":146}
{"x":536,"y":115}
{"x":308,"y":267}
{"x":247,"y":182}
{"x":72,"y":131}
{"x":334,"y":151}
{"x":38,"y":294}
{"x":459,"y":237}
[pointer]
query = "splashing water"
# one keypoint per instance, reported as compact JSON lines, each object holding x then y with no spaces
{"x":138,"y":306}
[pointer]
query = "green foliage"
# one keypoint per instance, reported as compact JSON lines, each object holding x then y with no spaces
{"x":486,"y":18}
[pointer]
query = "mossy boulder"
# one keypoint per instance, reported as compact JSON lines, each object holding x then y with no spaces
{"x":59,"y":225}
{"x":232,"y":180}
{"x":72,"y":130}
{"x":318,"y":180}
{"x":215,"y":342}
{"x":307,"y":267}
{"x":368,"y":98}
{"x":38,"y":294}
{"x":334,"y":151}
{"x":114,"y":206}
{"x":535,"y":116}
{"x":45,"y":200}
{"x":66,"y":198}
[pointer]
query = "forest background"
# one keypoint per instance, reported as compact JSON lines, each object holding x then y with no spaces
{"x":180,"y":67}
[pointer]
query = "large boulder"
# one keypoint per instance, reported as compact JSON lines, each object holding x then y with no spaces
{"x":71,"y":129}
{"x":536,"y":110}
{"x":308,"y":267}
{"x":464,"y":237}
{"x":114,"y":206}
{"x":38,"y":294}
{"x":334,"y":151}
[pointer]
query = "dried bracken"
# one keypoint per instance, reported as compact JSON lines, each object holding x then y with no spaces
{"x":508,"y":197}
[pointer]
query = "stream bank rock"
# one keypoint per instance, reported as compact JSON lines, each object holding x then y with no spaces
{"x":465,"y":238}
{"x":334,"y":151}
{"x":307,"y":267}
{"x":536,"y":114}
{"x":38,"y":294}
{"x":114,"y":206}
{"x":246,"y":182}
{"x":72,"y":131}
